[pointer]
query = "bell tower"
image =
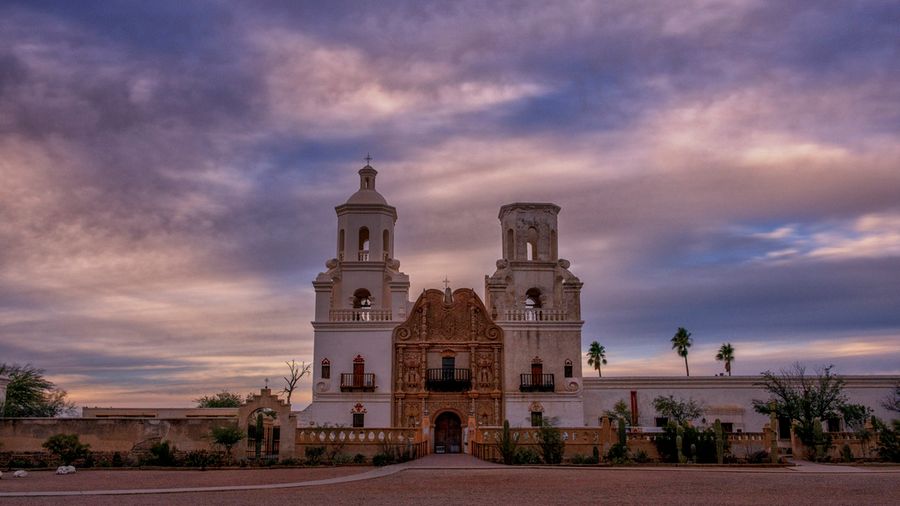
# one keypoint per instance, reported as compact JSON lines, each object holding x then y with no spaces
{"x":536,"y":300}
{"x":360,"y":298}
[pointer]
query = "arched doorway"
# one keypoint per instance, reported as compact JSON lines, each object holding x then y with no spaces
{"x":447,"y":433}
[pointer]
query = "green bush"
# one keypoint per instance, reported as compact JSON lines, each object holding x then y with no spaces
{"x":551,"y":442}
{"x":641,"y":457}
{"x":760,"y":457}
{"x":506,"y":444}
{"x":526,"y":456}
{"x":580,"y":460}
{"x":383,"y":459}
{"x":888,"y":440}
{"x":359,"y":458}
{"x":202,"y":459}
{"x":66,"y":447}
{"x":618,"y":454}
{"x":162,"y":454}
{"x":117,"y":460}
{"x":340,"y":459}
{"x":314,"y":455}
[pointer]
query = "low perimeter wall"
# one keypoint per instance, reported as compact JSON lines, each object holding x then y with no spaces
{"x":361,"y":441}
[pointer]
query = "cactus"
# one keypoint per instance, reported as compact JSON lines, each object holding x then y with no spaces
{"x":679,"y":440}
{"x":506,"y":444}
{"x":720,"y":443}
{"x":596,"y":455}
{"x":621,"y":431}
{"x":773,"y":426}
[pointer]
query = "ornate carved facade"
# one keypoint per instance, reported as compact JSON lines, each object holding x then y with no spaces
{"x":448,"y":356}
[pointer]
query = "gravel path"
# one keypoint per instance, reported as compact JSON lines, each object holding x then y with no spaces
{"x":500,"y":485}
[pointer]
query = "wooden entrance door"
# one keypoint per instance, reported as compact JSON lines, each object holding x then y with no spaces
{"x":537,"y":371}
{"x":447,"y":433}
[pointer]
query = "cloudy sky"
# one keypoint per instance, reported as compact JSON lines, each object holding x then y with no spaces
{"x":169,"y":171}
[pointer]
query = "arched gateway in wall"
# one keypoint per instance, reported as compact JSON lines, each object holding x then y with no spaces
{"x":447,"y":374}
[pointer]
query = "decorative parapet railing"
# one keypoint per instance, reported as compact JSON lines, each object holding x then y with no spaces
{"x":530,"y":382}
{"x":447,"y":379}
{"x":353,"y":382}
{"x":360,"y":315}
{"x":356,"y":436}
{"x":533,"y":315}
{"x":363,"y":256}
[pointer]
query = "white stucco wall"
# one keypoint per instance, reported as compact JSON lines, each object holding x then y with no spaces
{"x":3,"y":382}
{"x":727,"y":398}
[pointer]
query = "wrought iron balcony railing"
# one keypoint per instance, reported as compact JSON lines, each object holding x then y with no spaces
{"x":529,"y":382}
{"x":353,"y":382}
{"x":446,"y":379}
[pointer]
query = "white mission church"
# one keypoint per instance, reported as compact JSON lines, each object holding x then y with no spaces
{"x":450,"y":360}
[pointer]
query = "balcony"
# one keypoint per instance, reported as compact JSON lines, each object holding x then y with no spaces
{"x":448,"y":380}
{"x":536,"y":383}
{"x":534,"y":315}
{"x":360,"y":315}
{"x":363,"y":256}
{"x":354,"y":382}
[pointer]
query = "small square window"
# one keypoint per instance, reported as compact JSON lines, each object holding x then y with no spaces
{"x":326,"y":371}
{"x":359,"y":419}
{"x":567,"y":371}
{"x":536,"y":418}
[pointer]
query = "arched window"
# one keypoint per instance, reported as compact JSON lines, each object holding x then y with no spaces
{"x":341,"y":242}
{"x":510,"y":245}
{"x":362,"y":300}
{"x":363,"y":244}
{"x":567,"y":369}
{"x":531,"y":247}
{"x":533,"y":298}
{"x":325,"y":372}
{"x":386,"y":244}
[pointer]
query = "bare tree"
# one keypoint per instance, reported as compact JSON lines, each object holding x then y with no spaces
{"x":297,"y":371}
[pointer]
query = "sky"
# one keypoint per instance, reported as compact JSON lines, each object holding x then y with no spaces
{"x":169,"y":171}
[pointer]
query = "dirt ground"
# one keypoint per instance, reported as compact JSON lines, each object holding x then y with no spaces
{"x":501,"y":486}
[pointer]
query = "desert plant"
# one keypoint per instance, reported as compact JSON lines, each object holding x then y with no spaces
{"x":162,"y":454}
{"x":506,"y":444}
{"x":359,"y":458}
{"x":679,"y":411}
{"x":551,"y":443}
{"x":681,"y":341}
{"x":66,"y":447}
{"x":202,"y":459}
{"x":720,"y":443}
{"x":227,"y":436}
{"x":526,"y":456}
{"x":314,"y":454}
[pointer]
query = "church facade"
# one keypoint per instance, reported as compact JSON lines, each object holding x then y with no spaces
{"x":448,"y":360}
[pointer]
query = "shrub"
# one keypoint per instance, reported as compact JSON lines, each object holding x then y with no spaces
{"x":526,"y":456}
{"x":641,"y":457}
{"x":202,"y":459}
{"x":116,"y":460}
{"x":359,"y":458}
{"x":888,"y":440}
{"x":579,"y":460}
{"x":66,"y":447}
{"x":340,"y":459}
{"x":846,"y":453}
{"x":227,"y":436}
{"x":314,"y":455}
{"x":551,"y":443}
{"x":618,"y":454}
{"x":760,"y":457}
{"x":162,"y":454}
{"x":382,"y":459}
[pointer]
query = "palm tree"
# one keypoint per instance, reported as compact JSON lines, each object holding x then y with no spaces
{"x":681,"y":341}
{"x":726,"y":353}
{"x":596,"y":356}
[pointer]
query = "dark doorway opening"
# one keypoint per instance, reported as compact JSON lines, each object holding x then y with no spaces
{"x":447,"y":433}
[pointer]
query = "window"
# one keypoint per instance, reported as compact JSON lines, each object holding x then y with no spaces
{"x":326,"y":369}
{"x":662,"y":421}
{"x":386,"y":244}
{"x":567,"y":369}
{"x":536,"y":418}
{"x":359,"y":419}
{"x":533,"y":298}
{"x":510,"y":245}
{"x":834,"y":425}
{"x":362,"y":299}
{"x":341,"y":244}
{"x":363,"y":244}
{"x":727,"y":427}
{"x":531,"y":246}
{"x":553,"y":246}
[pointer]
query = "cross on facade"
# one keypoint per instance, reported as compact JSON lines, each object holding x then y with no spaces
{"x":368,"y":158}
{"x":446,"y":282}
{"x":267,"y":383}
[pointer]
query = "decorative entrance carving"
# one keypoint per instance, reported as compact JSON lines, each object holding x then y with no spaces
{"x":448,"y":354}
